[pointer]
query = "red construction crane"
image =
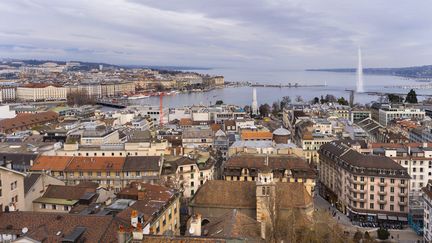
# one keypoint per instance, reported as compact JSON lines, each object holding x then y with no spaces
{"x":161,"y":108}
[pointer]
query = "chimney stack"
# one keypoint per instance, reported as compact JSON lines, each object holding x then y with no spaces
{"x":195,"y":225}
{"x":141,"y":192}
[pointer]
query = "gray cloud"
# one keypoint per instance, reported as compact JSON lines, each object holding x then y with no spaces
{"x":219,"y":33}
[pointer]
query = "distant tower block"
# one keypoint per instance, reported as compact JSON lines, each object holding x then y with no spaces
{"x":359,"y":85}
{"x":254,"y":102}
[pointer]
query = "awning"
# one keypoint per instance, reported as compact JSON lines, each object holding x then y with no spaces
{"x":382,"y":216}
{"x":392,"y":218}
{"x":404,"y":219}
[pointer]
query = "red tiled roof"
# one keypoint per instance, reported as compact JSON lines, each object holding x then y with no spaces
{"x":96,"y":164}
{"x":53,"y":163}
{"x":25,"y":120}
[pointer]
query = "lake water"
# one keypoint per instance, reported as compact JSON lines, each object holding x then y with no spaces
{"x":337,"y":83}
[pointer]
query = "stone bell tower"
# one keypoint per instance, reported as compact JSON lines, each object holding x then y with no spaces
{"x":265,"y":195}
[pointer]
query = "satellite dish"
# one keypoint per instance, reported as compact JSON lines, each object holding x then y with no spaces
{"x":191,"y":230}
{"x":24,"y":230}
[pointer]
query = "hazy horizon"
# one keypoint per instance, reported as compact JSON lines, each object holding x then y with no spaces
{"x":261,"y":35}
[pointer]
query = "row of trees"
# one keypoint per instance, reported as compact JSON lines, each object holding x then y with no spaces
{"x":80,"y":98}
{"x":278,"y":106}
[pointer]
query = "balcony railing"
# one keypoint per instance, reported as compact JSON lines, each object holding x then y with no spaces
{"x":403,"y":203}
{"x":382,"y":201}
{"x":382,"y":193}
{"x":402,"y":194}
{"x":402,"y":185}
{"x":382,"y":183}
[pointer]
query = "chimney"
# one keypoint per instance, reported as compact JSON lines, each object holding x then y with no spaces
{"x":141,"y":194}
{"x":137,"y":234}
{"x":8,"y":164}
{"x":134,"y":218}
{"x":263,"y":227}
{"x":195,"y":225}
{"x":121,"y":234}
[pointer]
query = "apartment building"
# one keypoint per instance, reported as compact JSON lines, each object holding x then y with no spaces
{"x":11,"y":190}
{"x":27,"y":121}
{"x":284,"y":168}
{"x":197,"y":137}
{"x":416,"y":158}
{"x":420,"y":135}
{"x":62,"y":199}
{"x":311,"y":135}
{"x":35,"y":185}
{"x":365,"y":187}
{"x":427,"y":212}
{"x":41,"y":92}
{"x":7,"y":94}
{"x":111,"y":172}
{"x":188,"y":174}
{"x":388,"y":114}
{"x":156,"y":210}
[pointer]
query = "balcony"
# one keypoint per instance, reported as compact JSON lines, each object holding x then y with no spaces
{"x":382,"y":193}
{"x":382,"y":201}
{"x":402,"y":185}
{"x":402,"y":194}
{"x":354,"y":198}
{"x":356,"y":182}
{"x":382,"y":183}
{"x":403,"y":203}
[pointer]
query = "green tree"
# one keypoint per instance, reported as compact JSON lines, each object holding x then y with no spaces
{"x":264,"y":110}
{"x":276,"y":108}
{"x":342,"y":101}
{"x":383,"y":234}
{"x":315,"y":100}
{"x":286,"y":100}
{"x":411,"y":97}
{"x":392,"y":98}
{"x":219,"y":102}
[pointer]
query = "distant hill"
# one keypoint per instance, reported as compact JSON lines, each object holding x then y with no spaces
{"x":420,"y":72}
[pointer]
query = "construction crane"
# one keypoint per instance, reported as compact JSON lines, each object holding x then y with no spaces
{"x":161,"y":115}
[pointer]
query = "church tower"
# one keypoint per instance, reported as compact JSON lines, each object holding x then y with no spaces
{"x":265,"y":195}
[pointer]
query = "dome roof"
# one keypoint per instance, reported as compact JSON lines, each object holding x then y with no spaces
{"x":281,"y":132}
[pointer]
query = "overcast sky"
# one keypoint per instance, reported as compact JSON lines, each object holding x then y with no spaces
{"x":286,"y":34}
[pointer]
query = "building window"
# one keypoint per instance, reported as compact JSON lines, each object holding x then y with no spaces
{"x":54,"y":207}
{"x":192,"y":184}
{"x":391,"y":198}
{"x":401,"y":208}
{"x":392,"y":181}
{"x":371,"y":205}
{"x":391,"y":207}
{"x":43,"y":205}
{"x":372,"y":188}
{"x":99,"y":174}
{"x":381,"y":206}
{"x":371,"y":196}
{"x":192,"y":192}
{"x":382,"y":180}
{"x":192,"y":176}
{"x":66,"y":208}
{"x":372,"y":179}
{"x":81,"y":173}
{"x":392,"y":189}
